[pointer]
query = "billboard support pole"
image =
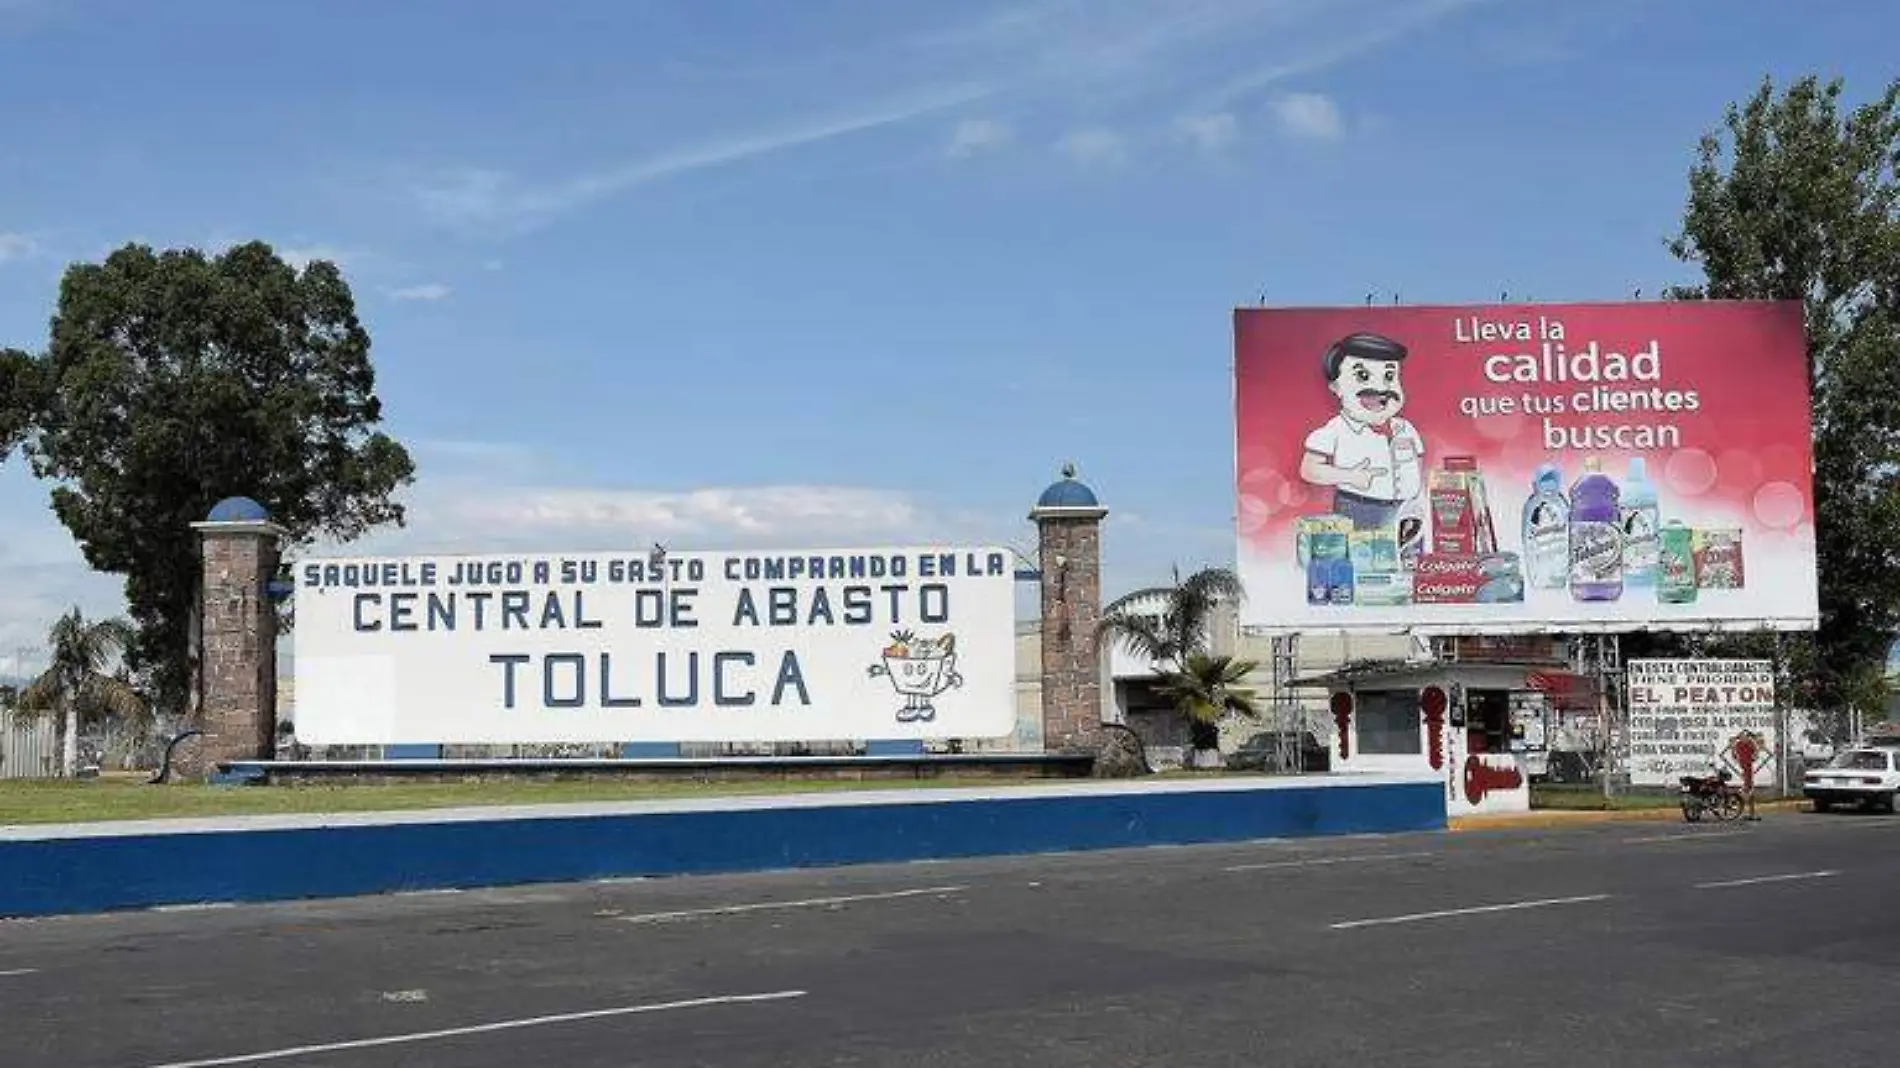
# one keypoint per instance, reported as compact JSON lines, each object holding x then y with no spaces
{"x":1603,"y":713}
{"x":1600,"y":656}
{"x":1781,"y":714}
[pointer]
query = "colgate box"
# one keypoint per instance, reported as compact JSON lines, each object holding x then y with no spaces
{"x":1468,"y":578}
{"x":1461,"y":510}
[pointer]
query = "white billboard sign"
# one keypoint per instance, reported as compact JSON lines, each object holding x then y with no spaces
{"x":1689,"y":717}
{"x":893,"y":643}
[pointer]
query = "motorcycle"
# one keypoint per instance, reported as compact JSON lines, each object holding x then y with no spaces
{"x":1710,"y":795}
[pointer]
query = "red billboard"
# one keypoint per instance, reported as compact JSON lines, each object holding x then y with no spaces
{"x":1504,"y":468}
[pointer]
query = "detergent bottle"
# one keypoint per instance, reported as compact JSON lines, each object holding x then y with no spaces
{"x":1547,"y":531}
{"x":1642,"y":526}
{"x":1596,"y":536}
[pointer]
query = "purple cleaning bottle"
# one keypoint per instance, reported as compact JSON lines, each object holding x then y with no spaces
{"x":1596,"y":536}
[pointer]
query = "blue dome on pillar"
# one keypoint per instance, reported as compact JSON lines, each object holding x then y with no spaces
{"x":1068,"y":493}
{"x":238,"y":510}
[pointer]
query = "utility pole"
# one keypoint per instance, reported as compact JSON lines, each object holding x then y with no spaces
{"x":1778,"y":672}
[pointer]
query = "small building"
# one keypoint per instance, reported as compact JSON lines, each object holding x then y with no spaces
{"x":1482,"y":723}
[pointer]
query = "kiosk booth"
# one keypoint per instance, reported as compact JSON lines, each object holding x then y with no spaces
{"x":1480,"y":726}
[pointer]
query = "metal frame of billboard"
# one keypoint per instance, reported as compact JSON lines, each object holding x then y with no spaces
{"x":1457,"y":629}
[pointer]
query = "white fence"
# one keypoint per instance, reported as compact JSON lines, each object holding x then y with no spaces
{"x":28,"y":748}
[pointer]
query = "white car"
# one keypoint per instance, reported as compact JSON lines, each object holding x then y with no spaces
{"x":1863,"y":775}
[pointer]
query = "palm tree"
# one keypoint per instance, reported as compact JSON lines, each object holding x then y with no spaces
{"x":1178,"y":639}
{"x":80,"y":685}
{"x":1206,"y":690}
{"x":1181,"y":628}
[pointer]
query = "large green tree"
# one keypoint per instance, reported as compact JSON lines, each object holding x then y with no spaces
{"x":174,"y":379}
{"x":1795,"y":198}
{"x":19,"y":391}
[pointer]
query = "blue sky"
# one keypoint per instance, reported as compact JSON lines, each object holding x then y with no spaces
{"x":721,"y":272}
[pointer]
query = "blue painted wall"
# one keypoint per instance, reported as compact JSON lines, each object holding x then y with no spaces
{"x":98,"y":874}
{"x":650,"y":751}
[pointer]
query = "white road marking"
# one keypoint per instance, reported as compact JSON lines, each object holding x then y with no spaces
{"x":1767,"y":879}
{"x":803,"y":903}
{"x":1692,"y":836}
{"x":481,"y":1029}
{"x":15,"y":972}
{"x":1512,"y":907}
{"x":407,"y":997}
{"x":1314,"y":862}
{"x":1845,"y":821}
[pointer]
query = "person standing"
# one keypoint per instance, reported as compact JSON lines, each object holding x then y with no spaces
{"x":1747,"y":750}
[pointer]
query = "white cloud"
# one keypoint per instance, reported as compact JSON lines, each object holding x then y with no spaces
{"x":972,"y":136}
{"x":1118,"y":52}
{"x":1395,"y":22}
{"x":298,"y":255}
{"x":1312,"y":115}
{"x":42,"y":574}
{"x":492,"y":265}
{"x":486,"y":198}
{"x":1110,"y":56}
{"x":508,"y":495}
{"x":301,"y":257}
{"x":1107,"y":49}
{"x":16,"y":247}
{"x":429,"y":291}
{"x":709,"y":516}
{"x":33,"y":596}
{"x":1094,"y":146}
{"x":465,"y":455}
{"x":1209,"y":133}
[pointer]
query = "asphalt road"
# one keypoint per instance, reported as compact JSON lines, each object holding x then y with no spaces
{"x":1634,"y":943}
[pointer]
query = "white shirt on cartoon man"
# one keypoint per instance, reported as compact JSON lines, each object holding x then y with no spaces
{"x":1397,"y":460}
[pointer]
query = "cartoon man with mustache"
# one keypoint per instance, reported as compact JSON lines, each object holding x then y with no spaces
{"x":1374,"y":460}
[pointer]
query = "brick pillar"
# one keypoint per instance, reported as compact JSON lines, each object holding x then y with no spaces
{"x":1069,"y":529}
{"x":237,"y":643}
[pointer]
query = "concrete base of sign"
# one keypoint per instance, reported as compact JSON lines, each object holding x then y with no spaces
{"x":78,"y":868}
{"x":907,"y":766}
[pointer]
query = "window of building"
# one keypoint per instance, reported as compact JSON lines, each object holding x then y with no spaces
{"x":1388,"y":722}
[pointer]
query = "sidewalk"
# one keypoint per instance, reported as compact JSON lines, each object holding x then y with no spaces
{"x":1552,"y":817}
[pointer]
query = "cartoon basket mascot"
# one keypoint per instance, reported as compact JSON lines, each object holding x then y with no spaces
{"x":1374,"y":460}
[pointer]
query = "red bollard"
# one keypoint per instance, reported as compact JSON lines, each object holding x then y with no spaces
{"x":1342,"y":718}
